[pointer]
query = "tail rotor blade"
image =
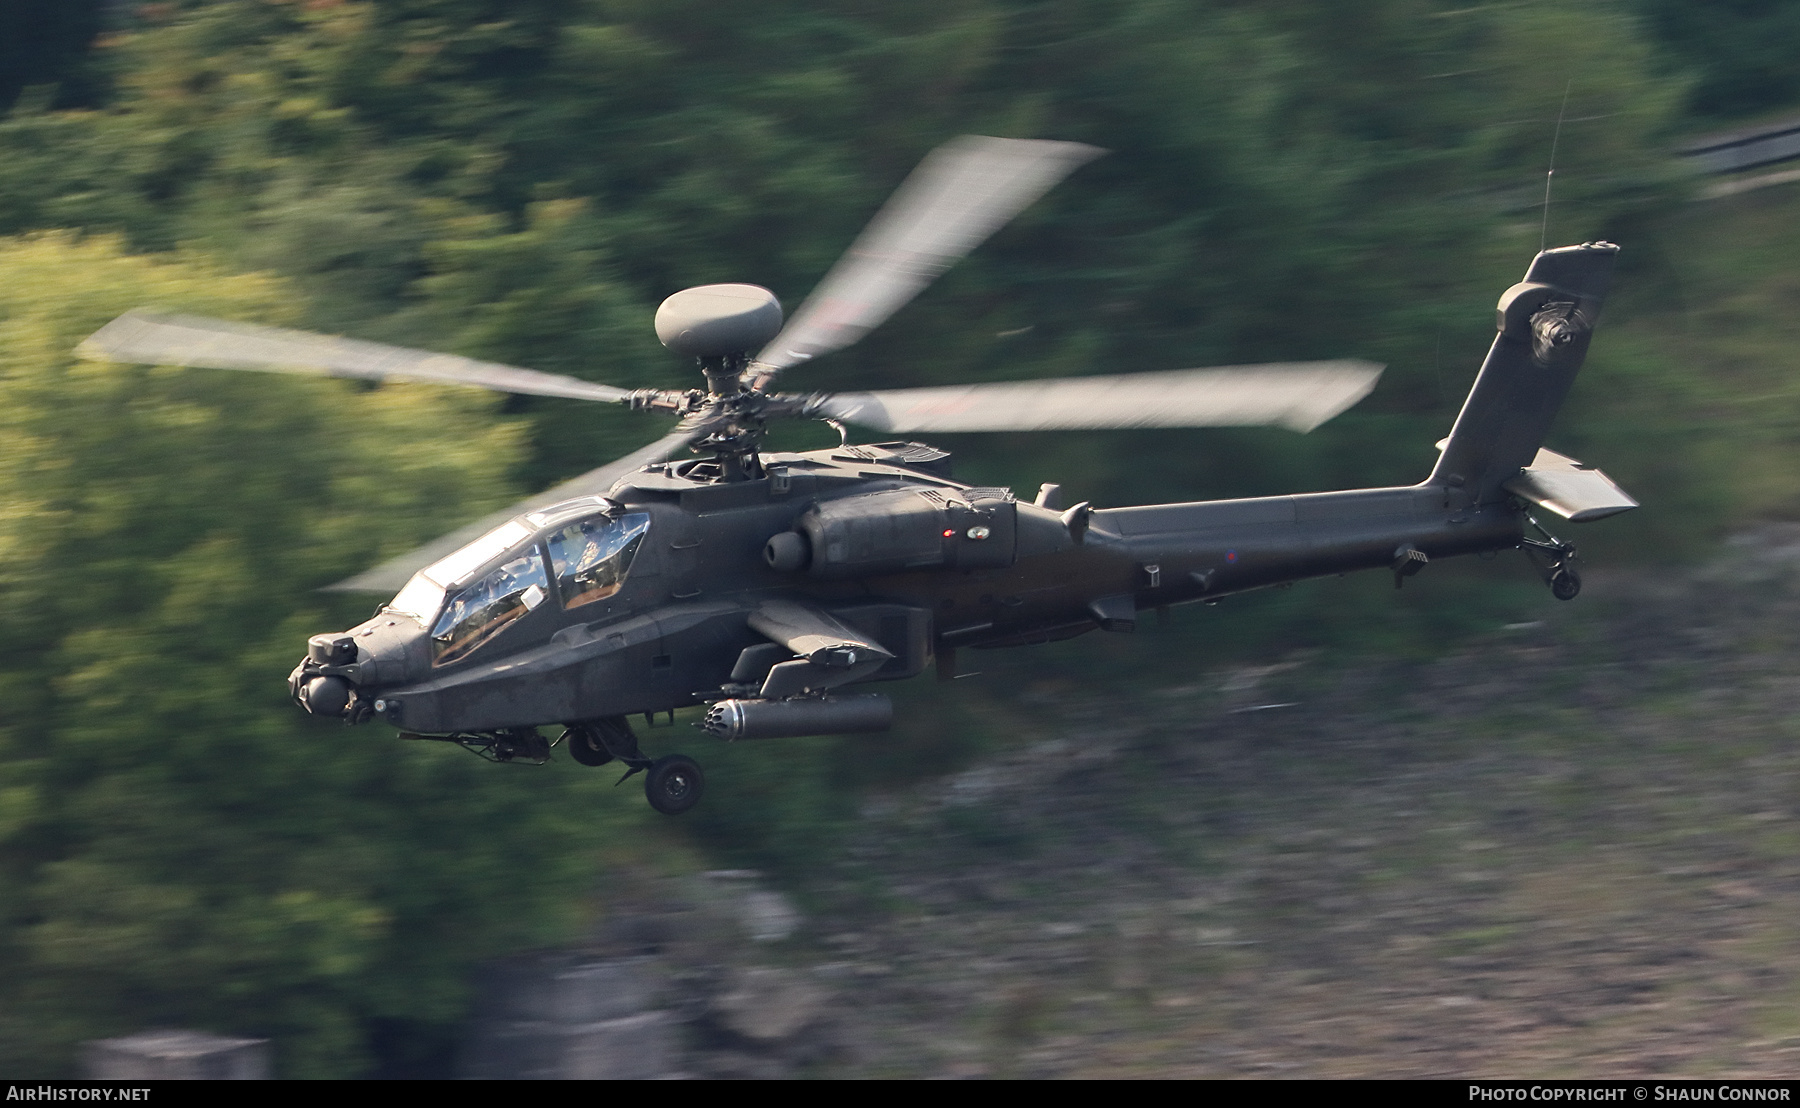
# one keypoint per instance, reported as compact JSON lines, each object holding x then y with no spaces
{"x":960,"y":194}
{"x":149,"y":338}
{"x":1295,"y":395}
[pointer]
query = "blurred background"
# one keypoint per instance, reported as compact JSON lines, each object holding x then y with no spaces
{"x":1478,"y":835}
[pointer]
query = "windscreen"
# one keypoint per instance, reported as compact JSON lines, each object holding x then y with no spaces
{"x":420,"y":599}
{"x":479,"y":611}
{"x":424,"y":594}
{"x":451,"y":569}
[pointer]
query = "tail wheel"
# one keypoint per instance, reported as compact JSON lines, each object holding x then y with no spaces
{"x":674,"y":784}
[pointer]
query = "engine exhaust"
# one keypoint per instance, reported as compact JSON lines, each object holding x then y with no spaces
{"x":732,"y":720}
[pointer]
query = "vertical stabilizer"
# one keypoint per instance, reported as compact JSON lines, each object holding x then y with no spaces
{"x":1545,"y":323}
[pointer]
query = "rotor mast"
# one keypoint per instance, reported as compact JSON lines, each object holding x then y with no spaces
{"x":719,"y":325}
{"x":734,"y":413}
{"x":724,"y":375}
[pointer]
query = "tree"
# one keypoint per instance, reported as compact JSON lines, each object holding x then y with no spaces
{"x":178,"y":844}
{"x":524,"y":180}
{"x":1286,"y":180}
{"x":1739,"y":54}
{"x":45,"y":47}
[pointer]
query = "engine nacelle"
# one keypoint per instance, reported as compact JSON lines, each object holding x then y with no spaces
{"x":902,"y":529}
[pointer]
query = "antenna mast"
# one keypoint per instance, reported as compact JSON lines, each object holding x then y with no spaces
{"x":1544,"y":229}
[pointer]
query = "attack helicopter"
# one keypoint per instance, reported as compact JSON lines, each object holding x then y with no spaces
{"x":774,"y":587}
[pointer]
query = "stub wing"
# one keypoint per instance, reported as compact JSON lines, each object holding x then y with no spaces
{"x":830,"y":653}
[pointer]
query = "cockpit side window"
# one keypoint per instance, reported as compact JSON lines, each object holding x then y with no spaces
{"x":592,"y":557}
{"x":484,"y":608}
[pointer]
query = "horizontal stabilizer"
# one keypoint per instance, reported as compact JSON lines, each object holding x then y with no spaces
{"x":1578,"y":493}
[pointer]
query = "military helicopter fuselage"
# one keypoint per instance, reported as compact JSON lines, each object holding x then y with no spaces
{"x":914,"y":564}
{"x":777,"y":586}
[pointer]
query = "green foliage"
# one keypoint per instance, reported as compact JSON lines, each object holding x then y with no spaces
{"x":524,"y":181}
{"x":1691,"y":397}
{"x":1286,"y":181}
{"x":177,"y":844}
{"x":44,"y":49}
{"x":1740,"y":53}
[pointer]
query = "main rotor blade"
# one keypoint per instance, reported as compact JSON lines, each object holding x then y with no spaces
{"x":959,"y":195}
{"x":1295,"y":395}
{"x":148,"y":338}
{"x":390,"y":575}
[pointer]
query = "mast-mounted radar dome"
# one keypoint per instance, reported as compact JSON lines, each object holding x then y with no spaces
{"x":718,"y":321}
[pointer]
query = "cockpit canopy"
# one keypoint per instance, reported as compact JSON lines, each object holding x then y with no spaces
{"x":590,"y":557}
{"x":571,"y":554}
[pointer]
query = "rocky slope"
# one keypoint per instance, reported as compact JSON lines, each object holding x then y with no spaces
{"x":1570,"y":848}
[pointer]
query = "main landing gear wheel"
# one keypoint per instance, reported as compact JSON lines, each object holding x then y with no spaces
{"x":1565,"y":584}
{"x":674,"y":784}
{"x":586,"y":746}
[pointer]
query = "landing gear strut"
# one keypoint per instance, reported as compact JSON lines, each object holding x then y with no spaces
{"x":672,"y":784}
{"x":596,"y":742}
{"x":1554,"y":560}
